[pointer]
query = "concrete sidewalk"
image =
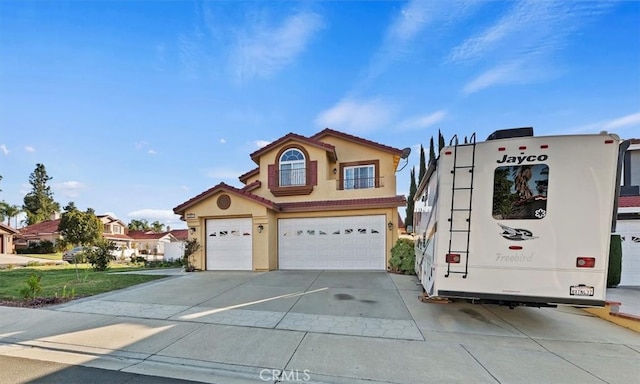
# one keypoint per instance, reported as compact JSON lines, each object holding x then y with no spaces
{"x":247,"y":327}
{"x":7,"y":260}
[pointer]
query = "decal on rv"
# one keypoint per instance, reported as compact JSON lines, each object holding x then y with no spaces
{"x":521,"y":159}
{"x":516,"y":234}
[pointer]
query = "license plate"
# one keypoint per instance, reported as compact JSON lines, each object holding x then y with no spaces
{"x":581,"y":290}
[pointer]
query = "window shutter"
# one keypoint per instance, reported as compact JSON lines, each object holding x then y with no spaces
{"x":271,"y":176}
{"x":314,"y":172}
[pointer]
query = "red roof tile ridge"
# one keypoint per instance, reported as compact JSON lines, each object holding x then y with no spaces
{"x":329,"y":131}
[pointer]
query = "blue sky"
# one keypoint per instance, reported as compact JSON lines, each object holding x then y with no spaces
{"x":137,"y":106}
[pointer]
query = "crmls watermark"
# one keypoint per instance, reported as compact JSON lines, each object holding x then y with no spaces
{"x":291,"y":375}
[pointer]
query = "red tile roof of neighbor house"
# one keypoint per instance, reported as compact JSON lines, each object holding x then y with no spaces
{"x":9,"y":229}
{"x":629,"y":201}
{"x":144,"y":235}
{"x":180,"y":234}
{"x":43,"y":227}
{"x":229,"y":189}
{"x":331,"y":150}
{"x":116,"y":236}
{"x":346,"y":136}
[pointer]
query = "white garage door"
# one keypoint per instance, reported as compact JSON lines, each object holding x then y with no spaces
{"x":229,"y":244}
{"x":629,"y":230}
{"x":349,"y":242}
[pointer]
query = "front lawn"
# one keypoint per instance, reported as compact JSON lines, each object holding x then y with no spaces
{"x":48,"y":256}
{"x":62,"y":284}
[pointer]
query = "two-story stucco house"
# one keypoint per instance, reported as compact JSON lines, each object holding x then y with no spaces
{"x":322,"y":202}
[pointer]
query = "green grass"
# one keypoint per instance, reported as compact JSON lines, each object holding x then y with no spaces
{"x":48,"y":256}
{"x":62,"y":281}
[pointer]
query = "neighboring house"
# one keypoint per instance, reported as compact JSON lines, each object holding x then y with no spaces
{"x":35,"y":233}
{"x":628,"y":226}
{"x":6,"y":238}
{"x":322,"y":202}
{"x":151,"y":243}
{"x":113,"y":229}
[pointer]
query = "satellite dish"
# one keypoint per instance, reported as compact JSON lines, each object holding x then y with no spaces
{"x":405,"y":156}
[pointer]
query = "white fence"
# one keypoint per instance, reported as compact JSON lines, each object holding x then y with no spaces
{"x":173,"y":251}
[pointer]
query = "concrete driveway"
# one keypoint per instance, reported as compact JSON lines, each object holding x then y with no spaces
{"x":348,"y":303}
{"x":321,"y":327}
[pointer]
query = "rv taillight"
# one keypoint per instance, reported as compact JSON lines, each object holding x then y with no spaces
{"x":608,"y":141}
{"x":453,"y":258}
{"x":515,"y":247}
{"x":502,"y":149}
{"x":447,"y":152}
{"x":522,"y":148}
{"x":586,"y":262}
{"x":544,"y":146}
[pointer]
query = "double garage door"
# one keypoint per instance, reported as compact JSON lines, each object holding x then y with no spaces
{"x":349,"y":242}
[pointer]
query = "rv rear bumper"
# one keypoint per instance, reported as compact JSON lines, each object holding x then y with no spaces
{"x":520,"y":300}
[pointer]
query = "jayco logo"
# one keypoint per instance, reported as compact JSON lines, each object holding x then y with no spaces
{"x":521,"y":159}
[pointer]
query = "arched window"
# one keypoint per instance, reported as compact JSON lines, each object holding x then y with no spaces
{"x":292,"y":168}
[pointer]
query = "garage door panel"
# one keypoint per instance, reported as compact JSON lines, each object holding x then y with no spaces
{"x":229,"y":244}
{"x":350,"y":242}
{"x":629,"y":231}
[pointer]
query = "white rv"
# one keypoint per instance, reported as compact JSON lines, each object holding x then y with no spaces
{"x":519,"y":219}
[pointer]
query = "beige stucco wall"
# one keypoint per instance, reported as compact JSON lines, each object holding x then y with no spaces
{"x":327,"y":188}
{"x":240,"y":207}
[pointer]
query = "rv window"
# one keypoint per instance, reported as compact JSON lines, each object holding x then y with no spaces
{"x":520,"y":192}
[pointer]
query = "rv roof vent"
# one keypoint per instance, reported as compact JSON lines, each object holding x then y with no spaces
{"x":511,"y":132}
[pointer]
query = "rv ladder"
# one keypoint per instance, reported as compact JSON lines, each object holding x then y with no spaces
{"x":467,"y":218}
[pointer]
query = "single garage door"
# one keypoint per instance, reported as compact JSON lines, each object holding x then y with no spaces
{"x":229,"y":244}
{"x":629,"y":230}
{"x":349,"y":242}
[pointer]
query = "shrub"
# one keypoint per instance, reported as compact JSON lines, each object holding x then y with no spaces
{"x":615,"y":261}
{"x":403,"y":257}
{"x":191,"y":246}
{"x":33,"y":287}
{"x":100,"y":255}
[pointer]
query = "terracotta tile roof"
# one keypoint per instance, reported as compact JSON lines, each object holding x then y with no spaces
{"x":116,"y":236}
{"x":9,"y":229}
{"x":629,"y":201}
{"x":356,"y":139}
{"x":400,"y":222}
{"x":180,"y":234}
{"x":179,"y":210}
{"x":143,"y":235}
{"x":252,"y":187}
{"x":331,"y":150}
{"x":247,"y":175}
{"x":634,"y":141}
{"x":376,"y":202}
{"x":49,"y":226}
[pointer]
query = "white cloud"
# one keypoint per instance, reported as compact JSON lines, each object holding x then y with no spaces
{"x":29,"y":148}
{"x":421,"y":122}
{"x":222,"y":141}
{"x":152,"y":152}
{"x":165,"y":216}
{"x":261,"y":143}
{"x":4,"y":150}
{"x":264,"y":51}
{"x":624,"y":121}
{"x":70,"y":188}
{"x":222,"y":173}
{"x":356,"y":116}
{"x":620,"y":125}
{"x":518,"y":47}
{"x":184,"y":187}
{"x":401,"y":38}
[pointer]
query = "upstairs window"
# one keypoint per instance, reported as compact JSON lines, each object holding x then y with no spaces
{"x":292,"y":168}
{"x":360,"y":177}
